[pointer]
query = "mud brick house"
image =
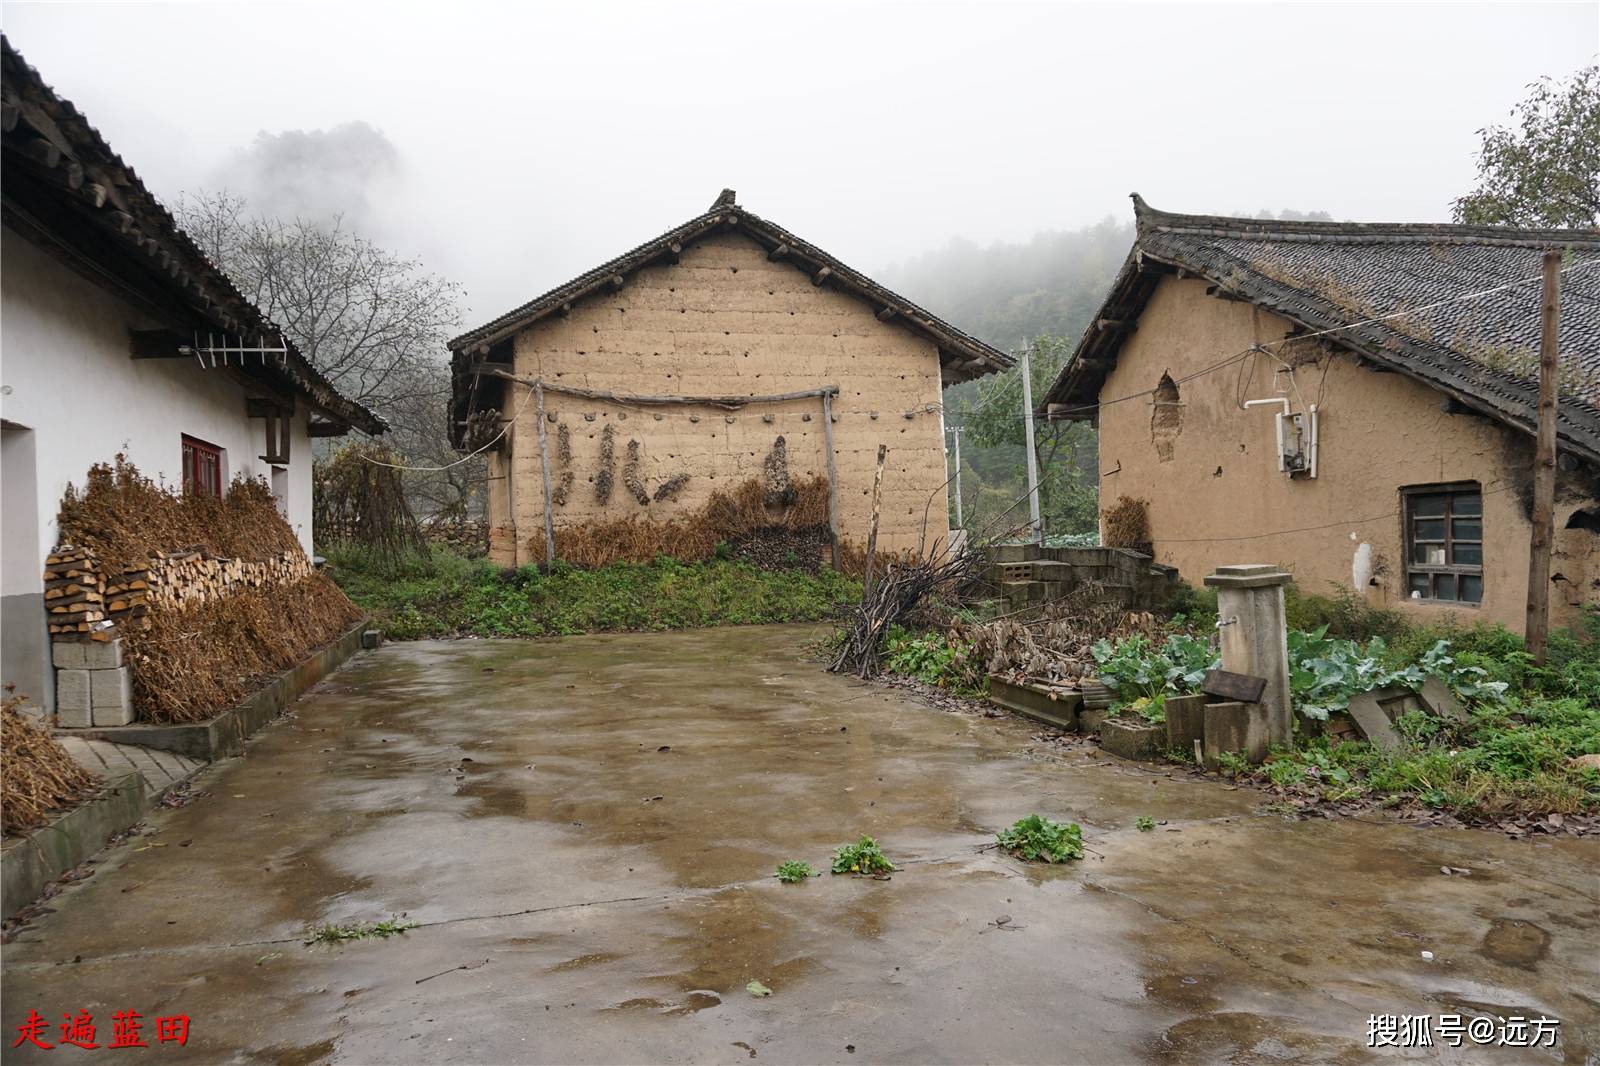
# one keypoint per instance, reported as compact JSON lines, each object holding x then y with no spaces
{"x":724,"y":354}
{"x":1393,"y":457}
{"x":118,"y":335}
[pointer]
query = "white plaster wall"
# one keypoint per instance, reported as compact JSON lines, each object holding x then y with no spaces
{"x":67,"y":375}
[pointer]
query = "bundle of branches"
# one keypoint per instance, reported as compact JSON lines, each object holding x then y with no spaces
{"x":360,"y":498}
{"x":124,"y":517}
{"x":195,"y":662}
{"x":1051,"y":642}
{"x":894,"y":595}
{"x":38,"y":776}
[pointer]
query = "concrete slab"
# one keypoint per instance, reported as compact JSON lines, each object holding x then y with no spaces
{"x":1373,"y":721}
{"x":622,"y":894}
{"x":30,"y":861}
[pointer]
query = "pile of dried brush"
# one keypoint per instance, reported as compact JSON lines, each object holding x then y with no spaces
{"x":897,"y":591}
{"x":1127,"y":524}
{"x":358,"y":497}
{"x":728,"y":516}
{"x":1051,"y":642}
{"x":37,"y":776}
{"x":124,"y":518}
{"x":194,"y":662}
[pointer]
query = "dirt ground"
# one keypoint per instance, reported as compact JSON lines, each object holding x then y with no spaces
{"x":599,"y":819}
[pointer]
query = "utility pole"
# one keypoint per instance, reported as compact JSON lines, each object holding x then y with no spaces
{"x":1544,"y":464}
{"x":960,"y":523}
{"x":1033,"y":463}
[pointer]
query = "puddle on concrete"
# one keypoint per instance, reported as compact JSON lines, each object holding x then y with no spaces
{"x":1238,"y":1037}
{"x":1194,"y":992}
{"x":1513,"y":942}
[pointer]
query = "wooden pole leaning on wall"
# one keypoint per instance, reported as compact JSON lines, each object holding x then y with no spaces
{"x":872,"y":533}
{"x":544,"y":467}
{"x":833,"y":476}
{"x":1544,"y":464}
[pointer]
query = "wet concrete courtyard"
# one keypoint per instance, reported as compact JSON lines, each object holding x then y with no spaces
{"x":586,"y":830}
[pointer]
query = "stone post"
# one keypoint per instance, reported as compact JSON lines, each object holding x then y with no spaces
{"x":1254,"y":636}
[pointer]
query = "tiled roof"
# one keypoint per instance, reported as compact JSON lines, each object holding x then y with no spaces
{"x":95,"y":197}
{"x":962,"y":356}
{"x":1322,"y":275}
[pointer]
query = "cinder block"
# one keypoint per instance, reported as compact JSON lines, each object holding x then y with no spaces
{"x":72,"y":699}
{"x":1186,"y":722}
{"x":111,"y":694}
{"x":1132,"y":737}
{"x":67,"y":655}
{"x":102,"y":655}
{"x":1236,"y":727}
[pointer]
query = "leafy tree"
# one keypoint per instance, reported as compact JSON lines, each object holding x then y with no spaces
{"x":1065,"y":451}
{"x":1543,"y":169}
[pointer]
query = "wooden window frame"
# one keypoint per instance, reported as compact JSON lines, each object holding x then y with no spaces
{"x":195,"y":481}
{"x":1409,"y":517}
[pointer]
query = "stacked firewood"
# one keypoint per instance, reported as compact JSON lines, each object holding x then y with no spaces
{"x":176,"y":579}
{"x":128,"y":598}
{"x":74,"y":592}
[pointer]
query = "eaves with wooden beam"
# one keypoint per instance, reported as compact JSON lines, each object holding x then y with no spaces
{"x":961,"y":357}
{"x":1340,"y":276}
{"x":65,"y":190}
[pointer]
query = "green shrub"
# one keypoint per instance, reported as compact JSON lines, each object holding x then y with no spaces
{"x":793,"y":871}
{"x":863,"y":857}
{"x":1039,"y":839}
{"x":1346,"y":615}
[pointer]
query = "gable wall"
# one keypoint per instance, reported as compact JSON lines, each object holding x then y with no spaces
{"x":1211,"y":471}
{"x":727,"y":321}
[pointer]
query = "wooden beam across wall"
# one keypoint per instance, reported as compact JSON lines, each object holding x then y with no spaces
{"x":158,"y":344}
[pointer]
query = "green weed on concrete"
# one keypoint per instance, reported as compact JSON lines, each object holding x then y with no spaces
{"x":441,"y":594}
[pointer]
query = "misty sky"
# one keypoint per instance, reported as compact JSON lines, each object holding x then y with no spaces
{"x":514,"y":147}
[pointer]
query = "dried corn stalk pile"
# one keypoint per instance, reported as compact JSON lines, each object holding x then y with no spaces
{"x":37,"y":776}
{"x":124,"y":519}
{"x":191,"y":662}
{"x":732,"y":516}
{"x":211,"y":595}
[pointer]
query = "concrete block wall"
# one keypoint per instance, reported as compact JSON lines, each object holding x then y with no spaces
{"x":726,"y":321}
{"x":93,"y":685}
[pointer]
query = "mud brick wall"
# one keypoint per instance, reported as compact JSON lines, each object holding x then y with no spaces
{"x":725,"y":321}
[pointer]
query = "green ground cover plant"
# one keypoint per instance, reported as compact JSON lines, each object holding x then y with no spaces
{"x":338,"y":934}
{"x":863,"y":857}
{"x":1144,"y":823}
{"x":441,"y":594}
{"x":793,"y":871}
{"x":1040,"y":839}
{"x":1514,"y":754}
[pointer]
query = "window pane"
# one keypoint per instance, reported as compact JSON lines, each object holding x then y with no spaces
{"x":1467,"y":554}
{"x":1471,"y":588}
{"x":1428,"y":529}
{"x":1466,"y":528}
{"x":1428,"y":505}
{"x":1419,"y":585}
{"x":1467,"y":503}
{"x":1444,"y":586}
{"x":1428,"y":554}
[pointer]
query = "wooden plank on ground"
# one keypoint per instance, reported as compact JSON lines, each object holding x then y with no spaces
{"x":1231,"y":686}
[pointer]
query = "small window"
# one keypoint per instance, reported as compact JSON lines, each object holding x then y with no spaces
{"x":1444,"y":543}
{"x":202,"y":468}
